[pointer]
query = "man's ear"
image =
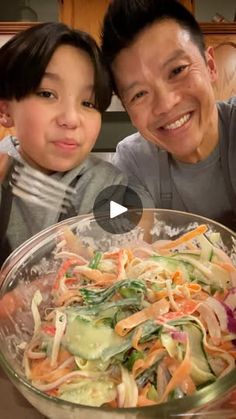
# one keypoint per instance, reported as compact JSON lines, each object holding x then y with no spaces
{"x":211,"y":63}
{"x":5,"y":117}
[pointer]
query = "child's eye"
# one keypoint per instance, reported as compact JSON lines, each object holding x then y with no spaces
{"x":178,"y":70}
{"x":88,"y":104}
{"x":45,"y":94}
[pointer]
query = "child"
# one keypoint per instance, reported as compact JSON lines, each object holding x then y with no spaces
{"x":54,"y":88}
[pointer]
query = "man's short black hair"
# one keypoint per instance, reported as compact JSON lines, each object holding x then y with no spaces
{"x":125,"y":19}
{"x":25,"y":57}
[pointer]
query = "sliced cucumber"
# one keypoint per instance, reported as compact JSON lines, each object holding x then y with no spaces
{"x":201,"y":371}
{"x":172,"y":264}
{"x":220,"y":277}
{"x":206,"y":248}
{"x":170,"y":344}
{"x":88,"y":392}
{"x":88,"y":340}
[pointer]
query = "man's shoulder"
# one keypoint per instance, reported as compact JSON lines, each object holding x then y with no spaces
{"x":101,"y":172}
{"x":229,"y":104}
{"x":232,"y":101}
{"x":227,"y":111}
{"x":135,"y":143}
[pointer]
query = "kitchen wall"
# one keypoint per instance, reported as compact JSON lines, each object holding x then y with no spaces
{"x":47,"y":10}
{"x":115,"y":126}
{"x":206,"y":9}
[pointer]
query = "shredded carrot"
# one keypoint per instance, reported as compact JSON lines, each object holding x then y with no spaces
{"x":136,"y":337}
{"x":63,"y":269}
{"x":188,"y":307}
{"x":143,"y":399}
{"x":194,"y":287}
{"x":71,"y":281}
{"x":41,"y":369}
{"x":188,"y":386}
{"x":185,"y":237}
{"x":66,"y":296}
{"x":158,"y":295}
{"x":98,"y":276}
{"x":227,"y":345}
{"x":227,"y":266}
{"x":142,"y":364}
{"x":177,"y":278}
{"x":220,"y":295}
{"x":151,"y":312}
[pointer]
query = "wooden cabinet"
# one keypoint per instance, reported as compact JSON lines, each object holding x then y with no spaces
{"x":189,"y":4}
{"x":86,"y":15}
{"x":222,"y":37}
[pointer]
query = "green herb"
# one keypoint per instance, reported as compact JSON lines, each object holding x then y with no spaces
{"x":94,"y":262}
{"x":134,"y":356}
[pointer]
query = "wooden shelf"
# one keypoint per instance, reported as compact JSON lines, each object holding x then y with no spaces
{"x":10,"y":28}
{"x":218,"y":28}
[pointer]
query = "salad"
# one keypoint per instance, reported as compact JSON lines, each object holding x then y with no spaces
{"x":135,"y":326}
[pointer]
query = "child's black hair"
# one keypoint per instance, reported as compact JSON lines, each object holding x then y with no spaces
{"x":24,"y":58}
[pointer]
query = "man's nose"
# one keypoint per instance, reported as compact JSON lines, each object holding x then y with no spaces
{"x":164,"y":100}
{"x":69,"y":116}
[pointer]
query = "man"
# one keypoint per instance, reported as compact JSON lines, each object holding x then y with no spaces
{"x":184,"y":153}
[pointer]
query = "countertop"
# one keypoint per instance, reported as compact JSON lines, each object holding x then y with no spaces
{"x":12,"y":404}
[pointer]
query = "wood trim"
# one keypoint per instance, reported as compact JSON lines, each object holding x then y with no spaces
{"x":11,"y":28}
{"x":66,"y":11}
{"x":189,"y":4}
{"x":218,"y":28}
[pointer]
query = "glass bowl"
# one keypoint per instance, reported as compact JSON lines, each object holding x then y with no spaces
{"x":34,"y":265}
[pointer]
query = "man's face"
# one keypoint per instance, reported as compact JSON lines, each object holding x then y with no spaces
{"x":165,"y":85}
{"x":58,"y":125}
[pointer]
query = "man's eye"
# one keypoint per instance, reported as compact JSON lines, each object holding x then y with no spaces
{"x":178,"y":70}
{"x":138,"y":95}
{"x":45,"y":94}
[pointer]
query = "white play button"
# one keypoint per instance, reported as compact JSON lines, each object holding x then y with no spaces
{"x":116,"y":209}
{"x":110,"y":210}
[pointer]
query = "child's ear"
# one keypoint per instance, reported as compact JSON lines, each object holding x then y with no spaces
{"x":5,"y":117}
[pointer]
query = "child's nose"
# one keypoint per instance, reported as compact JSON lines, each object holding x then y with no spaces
{"x":69,"y":117}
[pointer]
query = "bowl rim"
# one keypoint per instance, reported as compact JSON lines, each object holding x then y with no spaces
{"x":176,"y":406}
{"x":21,"y":251}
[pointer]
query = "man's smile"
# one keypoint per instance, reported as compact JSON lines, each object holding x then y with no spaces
{"x":177,"y":123}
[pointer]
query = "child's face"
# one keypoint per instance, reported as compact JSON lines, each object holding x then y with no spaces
{"x":58,"y":125}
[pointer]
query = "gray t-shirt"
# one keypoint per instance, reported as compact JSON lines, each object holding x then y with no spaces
{"x":199,"y":188}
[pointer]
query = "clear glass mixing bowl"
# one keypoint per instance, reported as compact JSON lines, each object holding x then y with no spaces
{"x":35,"y":259}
